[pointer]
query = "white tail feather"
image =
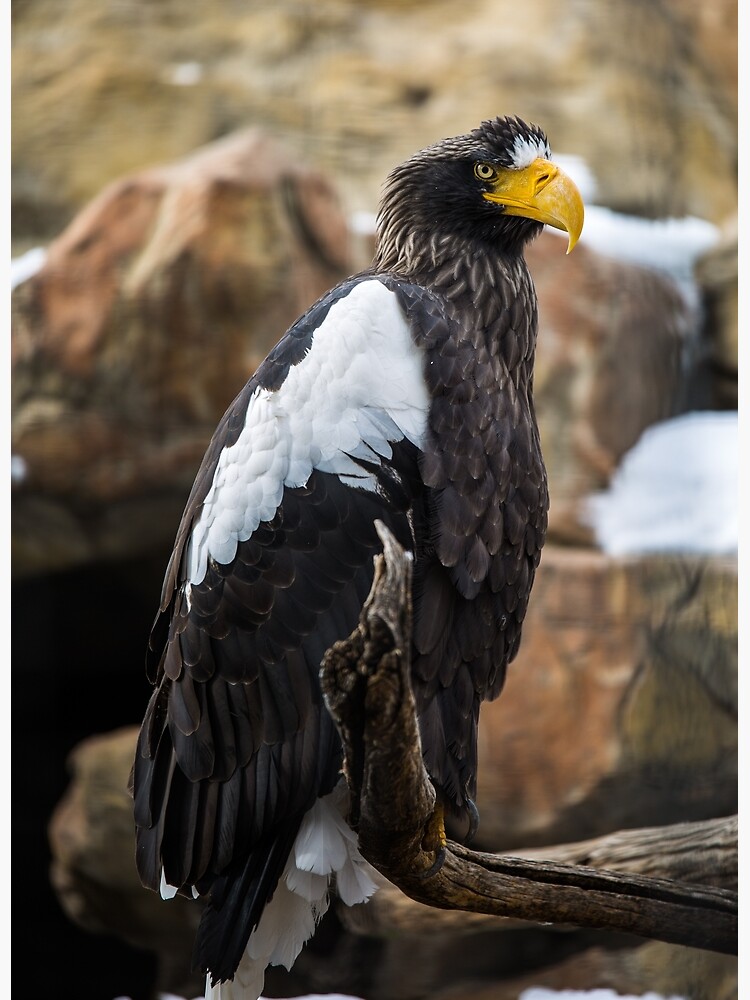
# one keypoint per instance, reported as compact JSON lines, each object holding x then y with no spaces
{"x":310,"y":886}
{"x":325,"y":846}
{"x":354,"y":883}
{"x":320,"y":846}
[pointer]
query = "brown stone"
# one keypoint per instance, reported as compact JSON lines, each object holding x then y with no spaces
{"x":92,"y":840}
{"x":654,"y":969}
{"x":151,"y":311}
{"x":621,"y":707}
{"x":646,"y":93}
{"x":716,"y":275}
{"x":610,"y":362}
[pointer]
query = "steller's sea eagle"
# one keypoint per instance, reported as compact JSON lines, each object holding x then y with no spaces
{"x":403,"y":395}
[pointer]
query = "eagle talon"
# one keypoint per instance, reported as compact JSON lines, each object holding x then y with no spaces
{"x":473,"y":820}
{"x":436,"y":865}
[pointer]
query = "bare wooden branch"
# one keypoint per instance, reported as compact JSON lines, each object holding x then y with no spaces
{"x":367,"y":687}
{"x":700,"y":853}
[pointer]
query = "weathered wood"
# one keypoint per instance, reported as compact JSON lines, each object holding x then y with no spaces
{"x":701,"y":853}
{"x":367,"y":687}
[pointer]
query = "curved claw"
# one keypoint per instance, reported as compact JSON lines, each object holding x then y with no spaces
{"x":435,"y":866}
{"x":473,"y":820}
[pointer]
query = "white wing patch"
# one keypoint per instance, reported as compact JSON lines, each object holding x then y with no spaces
{"x":359,"y":388}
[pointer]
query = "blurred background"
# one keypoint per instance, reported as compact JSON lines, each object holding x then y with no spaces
{"x":186,"y":180}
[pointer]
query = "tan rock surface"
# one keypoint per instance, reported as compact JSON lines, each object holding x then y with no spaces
{"x":646,"y":93}
{"x":621,"y":707}
{"x":614,"y":339}
{"x":151,"y":310}
{"x":717,"y":277}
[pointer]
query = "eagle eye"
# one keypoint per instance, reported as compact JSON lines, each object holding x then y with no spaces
{"x":484,"y":171}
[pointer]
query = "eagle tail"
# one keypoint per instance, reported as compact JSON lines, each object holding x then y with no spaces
{"x":264,"y":914}
{"x":236,"y":903}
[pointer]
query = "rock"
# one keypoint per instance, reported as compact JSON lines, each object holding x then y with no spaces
{"x":716,"y":274}
{"x":91,"y":835}
{"x":645,"y":93}
{"x":147,"y":316}
{"x":620,"y":710}
{"x":651,"y":970}
{"x":614,"y":346}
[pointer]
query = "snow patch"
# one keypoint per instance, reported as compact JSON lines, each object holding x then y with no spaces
{"x":541,"y":993}
{"x":676,"y":490}
{"x":19,"y":469}
{"x":580,"y":173}
{"x":185,"y":74}
{"x":363,"y":223}
{"x":670,"y":246}
{"x":26,"y":266}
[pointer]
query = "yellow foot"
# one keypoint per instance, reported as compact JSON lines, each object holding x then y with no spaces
{"x":434,"y":834}
{"x":434,"y":840}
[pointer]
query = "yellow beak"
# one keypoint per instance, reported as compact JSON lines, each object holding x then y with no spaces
{"x":541,"y":192}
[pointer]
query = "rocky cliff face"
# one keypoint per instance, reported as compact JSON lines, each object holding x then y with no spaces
{"x":645,"y":92}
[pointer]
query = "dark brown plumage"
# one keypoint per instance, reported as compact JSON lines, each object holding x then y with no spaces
{"x":404,"y":395}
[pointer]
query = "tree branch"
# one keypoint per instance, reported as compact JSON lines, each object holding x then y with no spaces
{"x":366,"y":682}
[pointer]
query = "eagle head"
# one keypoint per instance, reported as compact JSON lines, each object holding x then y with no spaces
{"x":491,"y":190}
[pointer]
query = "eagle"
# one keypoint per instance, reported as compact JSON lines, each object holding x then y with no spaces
{"x":403,"y":395}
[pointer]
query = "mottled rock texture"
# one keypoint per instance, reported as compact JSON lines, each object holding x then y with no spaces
{"x":621,"y":708}
{"x":93,"y":862}
{"x":645,"y":92}
{"x":151,"y":311}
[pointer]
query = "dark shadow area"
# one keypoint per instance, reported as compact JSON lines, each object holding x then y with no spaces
{"x":78,"y":652}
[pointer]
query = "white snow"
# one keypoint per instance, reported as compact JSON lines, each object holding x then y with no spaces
{"x":309,"y":996}
{"x":580,"y":173}
{"x":541,"y":993}
{"x":26,"y":266}
{"x":363,"y":223}
{"x":19,"y":470}
{"x":185,"y":74}
{"x":675,"y":491}
{"x":670,"y":246}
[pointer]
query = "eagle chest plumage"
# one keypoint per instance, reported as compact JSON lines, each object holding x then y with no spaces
{"x":485,"y":504}
{"x":403,"y":395}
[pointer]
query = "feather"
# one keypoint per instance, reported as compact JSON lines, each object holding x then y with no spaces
{"x":320,"y":846}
